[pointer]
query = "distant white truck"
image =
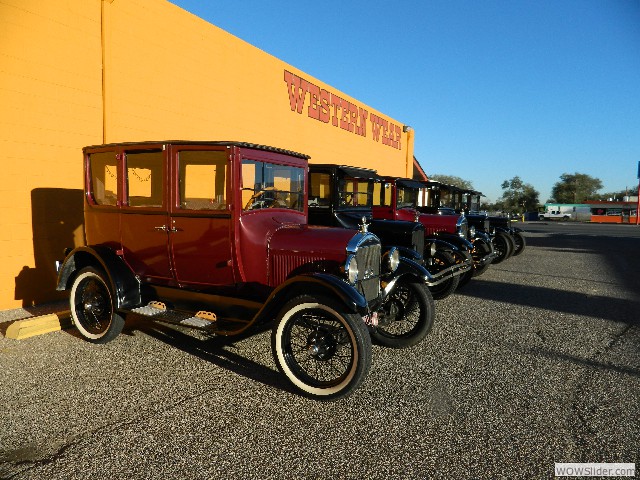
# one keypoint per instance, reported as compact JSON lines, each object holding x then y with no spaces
{"x":554,"y":215}
{"x":565,"y":212}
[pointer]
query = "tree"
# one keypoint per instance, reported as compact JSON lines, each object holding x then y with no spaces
{"x":518,"y":196}
{"x":575,"y":188}
{"x":452,"y":180}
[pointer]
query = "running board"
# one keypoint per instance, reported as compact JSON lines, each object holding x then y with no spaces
{"x":201,"y":320}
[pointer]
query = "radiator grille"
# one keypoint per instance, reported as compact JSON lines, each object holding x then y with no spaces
{"x":417,"y":240}
{"x":368,"y":258}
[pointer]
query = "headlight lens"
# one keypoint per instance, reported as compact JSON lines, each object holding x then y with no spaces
{"x":393,"y":259}
{"x":351,"y":269}
{"x":472,"y":231}
{"x":432,"y":249}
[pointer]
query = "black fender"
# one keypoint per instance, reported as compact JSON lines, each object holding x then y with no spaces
{"x":455,"y":239}
{"x":481,"y":238}
{"x":484,"y":236}
{"x":407,"y":268}
{"x":123,"y":281}
{"x":440,"y":244}
{"x":464,"y":247}
{"x":406,"y":252}
{"x":315,"y":282}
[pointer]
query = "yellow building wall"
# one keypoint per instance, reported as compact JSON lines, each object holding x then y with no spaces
{"x":167,"y":75}
{"x":50,"y":105}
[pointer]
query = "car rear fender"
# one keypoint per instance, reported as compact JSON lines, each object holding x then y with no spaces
{"x":123,"y":281}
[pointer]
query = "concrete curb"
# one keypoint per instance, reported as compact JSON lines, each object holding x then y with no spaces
{"x":30,"y":327}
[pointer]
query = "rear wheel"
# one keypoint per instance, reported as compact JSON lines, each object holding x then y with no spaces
{"x":520,"y":243}
{"x":406,"y":316}
{"x":92,"y":307}
{"x":503,"y":246}
{"x":441,"y":261}
{"x":324,"y":351}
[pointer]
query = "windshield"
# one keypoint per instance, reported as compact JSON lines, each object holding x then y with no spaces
{"x":406,"y":197}
{"x":355,"y":192}
{"x":269,"y":185}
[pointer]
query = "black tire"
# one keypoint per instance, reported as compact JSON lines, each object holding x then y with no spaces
{"x":406,"y":315}
{"x":442,"y":260}
{"x":503,"y":245}
{"x":92,"y":307}
{"x":520,"y":243}
{"x":512,"y":244}
{"x":324,"y":351}
{"x":465,"y":278}
{"x":480,"y":250}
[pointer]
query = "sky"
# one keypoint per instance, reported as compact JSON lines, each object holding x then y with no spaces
{"x":493,"y":89}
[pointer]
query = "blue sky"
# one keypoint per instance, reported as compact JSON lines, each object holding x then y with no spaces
{"x":493,"y":89}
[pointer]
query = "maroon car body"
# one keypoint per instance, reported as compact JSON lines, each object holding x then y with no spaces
{"x":214,"y":236}
{"x":399,"y":201}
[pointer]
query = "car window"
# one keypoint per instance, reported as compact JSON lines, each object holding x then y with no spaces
{"x":144,"y":178}
{"x":319,"y":190}
{"x":269,"y":185}
{"x":104,"y":178}
{"x":406,"y":197}
{"x":382,"y":194}
{"x":203,"y":179}
{"x":355,"y":192}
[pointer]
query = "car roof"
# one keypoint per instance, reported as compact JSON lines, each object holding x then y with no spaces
{"x":254,"y":146}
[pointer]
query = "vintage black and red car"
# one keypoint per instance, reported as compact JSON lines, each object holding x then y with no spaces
{"x":511,"y":237}
{"x":342,"y":195}
{"x":214,"y":236}
{"x":400,"y":199}
{"x":507,"y":239}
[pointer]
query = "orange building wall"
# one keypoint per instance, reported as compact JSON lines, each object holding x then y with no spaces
{"x":50,"y":104}
{"x":167,"y":75}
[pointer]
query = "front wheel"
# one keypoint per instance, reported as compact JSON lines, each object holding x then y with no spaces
{"x":406,"y":316}
{"x":92,"y":307}
{"x":519,"y":242}
{"x":323,"y":350}
{"x":442,"y":260}
{"x":480,"y":250}
{"x":502,"y":243}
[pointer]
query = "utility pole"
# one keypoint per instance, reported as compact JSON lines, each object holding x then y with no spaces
{"x":638,"y":204}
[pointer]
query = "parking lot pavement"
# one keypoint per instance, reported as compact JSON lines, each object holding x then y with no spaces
{"x":534,"y":362}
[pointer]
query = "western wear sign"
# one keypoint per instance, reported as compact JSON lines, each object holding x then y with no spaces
{"x":329,"y":108}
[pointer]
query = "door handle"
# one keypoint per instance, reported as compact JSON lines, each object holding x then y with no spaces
{"x":164,"y":228}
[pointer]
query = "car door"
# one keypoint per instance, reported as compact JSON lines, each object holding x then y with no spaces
{"x":201,"y":227}
{"x":144,"y":219}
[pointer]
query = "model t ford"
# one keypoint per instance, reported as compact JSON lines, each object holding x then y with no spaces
{"x":399,"y":199}
{"x":214,"y":236}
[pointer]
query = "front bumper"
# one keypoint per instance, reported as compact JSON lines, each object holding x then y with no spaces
{"x":463,"y":264}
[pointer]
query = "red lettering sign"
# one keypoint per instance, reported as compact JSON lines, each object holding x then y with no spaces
{"x":328,"y":107}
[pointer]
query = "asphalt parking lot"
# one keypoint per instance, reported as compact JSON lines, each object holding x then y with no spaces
{"x":535,"y":362}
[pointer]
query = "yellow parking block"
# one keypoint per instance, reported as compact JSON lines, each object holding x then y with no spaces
{"x":30,"y":327}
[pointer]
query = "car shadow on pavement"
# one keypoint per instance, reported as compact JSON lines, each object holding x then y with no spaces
{"x":564,"y":357}
{"x":620,"y":253}
{"x":597,"y":306}
{"x":217,"y":350}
